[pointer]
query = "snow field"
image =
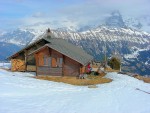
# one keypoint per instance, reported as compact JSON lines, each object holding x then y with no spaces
{"x":23,"y":94}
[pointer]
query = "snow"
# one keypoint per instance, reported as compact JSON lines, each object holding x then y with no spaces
{"x":23,"y":94}
{"x":102,"y":33}
{"x":13,"y":41}
{"x":5,"y":65}
{"x":135,"y":52}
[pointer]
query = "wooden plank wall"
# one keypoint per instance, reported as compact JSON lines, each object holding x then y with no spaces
{"x":83,"y":70}
{"x":41,"y":54}
{"x":71,"y":67}
{"x":45,"y":70}
{"x":55,"y":55}
{"x":31,"y":68}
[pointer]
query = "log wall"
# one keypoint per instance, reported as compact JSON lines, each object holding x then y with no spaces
{"x":40,"y":55}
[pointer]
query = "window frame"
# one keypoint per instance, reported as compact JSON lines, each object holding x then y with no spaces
{"x":47,"y":60}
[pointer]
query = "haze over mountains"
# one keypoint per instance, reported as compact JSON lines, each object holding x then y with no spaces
{"x":128,"y":37}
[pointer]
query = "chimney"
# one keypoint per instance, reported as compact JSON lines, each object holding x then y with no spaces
{"x":48,"y":32}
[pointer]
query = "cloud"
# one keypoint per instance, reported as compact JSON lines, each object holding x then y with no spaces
{"x":64,"y":13}
{"x":95,"y":11}
{"x":132,"y":7}
{"x":38,"y":21}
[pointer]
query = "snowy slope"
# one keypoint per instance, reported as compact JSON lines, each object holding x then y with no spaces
{"x":132,"y":45}
{"x":19,"y":37}
{"x":23,"y":94}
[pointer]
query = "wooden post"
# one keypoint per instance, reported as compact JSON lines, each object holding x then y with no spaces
{"x":25,"y":54}
{"x":63,"y":64}
{"x":36,"y":61}
{"x":80,"y":69}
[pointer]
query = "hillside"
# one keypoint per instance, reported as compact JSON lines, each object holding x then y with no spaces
{"x":19,"y":93}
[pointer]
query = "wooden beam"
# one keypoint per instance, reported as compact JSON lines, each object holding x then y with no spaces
{"x":63,"y":64}
{"x":36,"y":45}
{"x":26,"y":57}
{"x":49,"y":51}
{"x":36,"y":62}
{"x":80,"y":70}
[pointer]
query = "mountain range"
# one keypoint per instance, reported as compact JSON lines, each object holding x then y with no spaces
{"x":116,"y":35}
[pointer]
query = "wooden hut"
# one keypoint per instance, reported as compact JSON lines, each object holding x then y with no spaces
{"x":51,"y":56}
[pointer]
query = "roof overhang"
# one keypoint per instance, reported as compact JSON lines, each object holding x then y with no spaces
{"x":25,"y":48}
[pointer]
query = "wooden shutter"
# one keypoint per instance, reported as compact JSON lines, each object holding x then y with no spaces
{"x":41,"y":60}
{"x":54,"y":62}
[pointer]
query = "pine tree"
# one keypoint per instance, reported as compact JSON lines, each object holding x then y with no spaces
{"x":114,"y":63}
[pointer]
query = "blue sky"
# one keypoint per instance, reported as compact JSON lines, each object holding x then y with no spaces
{"x":58,"y":13}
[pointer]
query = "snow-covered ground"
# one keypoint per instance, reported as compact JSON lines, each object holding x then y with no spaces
{"x":19,"y":93}
{"x":5,"y":65}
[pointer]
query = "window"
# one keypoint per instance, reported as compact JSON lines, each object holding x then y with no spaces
{"x":57,"y":62}
{"x":60,"y":61}
{"x":47,"y":61}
